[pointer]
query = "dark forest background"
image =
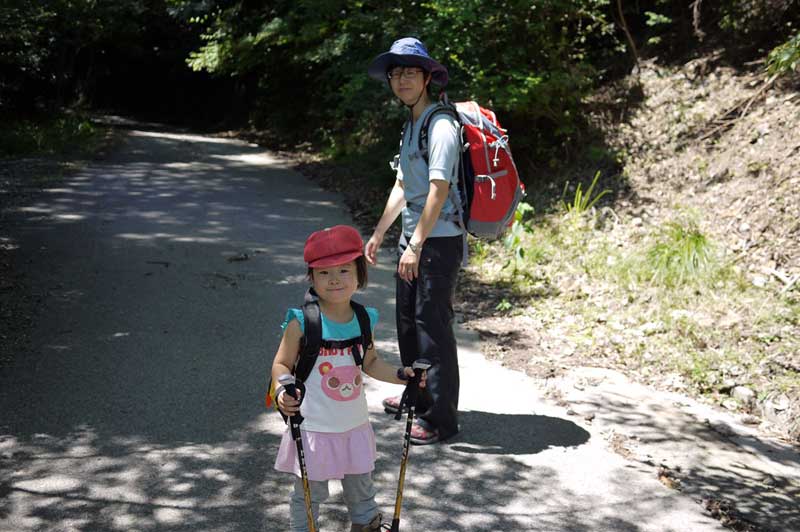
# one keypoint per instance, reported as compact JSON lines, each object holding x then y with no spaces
{"x":297,"y":68}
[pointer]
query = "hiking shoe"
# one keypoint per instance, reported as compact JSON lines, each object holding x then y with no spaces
{"x":392,"y":405}
{"x":422,"y":436}
{"x":374,"y":525}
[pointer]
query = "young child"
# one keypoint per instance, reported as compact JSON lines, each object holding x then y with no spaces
{"x":338,"y":441}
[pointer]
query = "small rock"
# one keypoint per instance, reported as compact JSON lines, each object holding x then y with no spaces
{"x":650,"y":328}
{"x":760,"y":281}
{"x":743,"y":394}
{"x":749,"y":419}
{"x":779,"y":403}
{"x":727,"y":385}
{"x":730,"y":404}
{"x":589,"y":417}
{"x":667,"y":477}
{"x":718,"y":175}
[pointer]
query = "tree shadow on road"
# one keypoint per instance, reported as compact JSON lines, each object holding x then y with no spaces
{"x":142,"y":408}
{"x":749,"y":477}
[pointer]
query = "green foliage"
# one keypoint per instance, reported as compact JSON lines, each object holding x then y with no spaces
{"x":681,"y":254}
{"x":756,"y":25}
{"x":524,"y":250}
{"x":785,"y":58}
{"x":531,"y":62}
{"x":582,"y":202}
{"x":513,"y":241}
{"x":504,"y":305}
{"x":479,"y":252}
{"x":57,"y":135}
{"x":52,"y":50}
{"x":655,"y":19}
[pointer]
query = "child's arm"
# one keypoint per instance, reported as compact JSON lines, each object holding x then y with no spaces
{"x":377,"y":368}
{"x":285,"y":359}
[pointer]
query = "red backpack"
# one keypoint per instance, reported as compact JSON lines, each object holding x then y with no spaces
{"x":488,"y":181}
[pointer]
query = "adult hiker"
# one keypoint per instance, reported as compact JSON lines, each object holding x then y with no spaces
{"x":430,"y":248}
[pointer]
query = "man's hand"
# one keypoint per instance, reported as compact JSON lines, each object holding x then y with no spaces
{"x":408,"y":374}
{"x":408,"y":267}
{"x":372,"y":247}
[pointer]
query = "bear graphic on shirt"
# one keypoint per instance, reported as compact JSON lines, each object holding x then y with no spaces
{"x":341,"y":383}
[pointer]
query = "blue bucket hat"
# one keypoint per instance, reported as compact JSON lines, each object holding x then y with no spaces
{"x":408,"y":51}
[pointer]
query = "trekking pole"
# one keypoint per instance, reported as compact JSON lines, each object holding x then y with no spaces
{"x":290,"y":385}
{"x":409,"y":396}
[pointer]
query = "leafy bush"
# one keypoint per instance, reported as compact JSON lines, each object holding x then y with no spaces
{"x":785,"y":58}
{"x":29,"y":137}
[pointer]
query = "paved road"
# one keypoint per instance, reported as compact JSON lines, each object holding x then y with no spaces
{"x":140,"y":407}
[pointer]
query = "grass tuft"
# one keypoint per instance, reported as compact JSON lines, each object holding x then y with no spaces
{"x":681,"y":255}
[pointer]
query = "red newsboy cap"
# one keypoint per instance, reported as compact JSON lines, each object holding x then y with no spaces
{"x":333,"y":246}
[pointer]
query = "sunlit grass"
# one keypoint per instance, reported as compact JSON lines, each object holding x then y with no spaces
{"x":668,"y":296}
{"x":680,"y":254}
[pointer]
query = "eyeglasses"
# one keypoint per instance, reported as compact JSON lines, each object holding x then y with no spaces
{"x":405,"y":73}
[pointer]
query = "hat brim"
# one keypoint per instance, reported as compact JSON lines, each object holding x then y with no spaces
{"x":335,"y":260}
{"x":377,"y":69}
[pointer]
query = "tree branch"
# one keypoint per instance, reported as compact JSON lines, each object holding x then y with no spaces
{"x":631,"y":44}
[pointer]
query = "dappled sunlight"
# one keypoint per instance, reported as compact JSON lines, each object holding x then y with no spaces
{"x":187,"y":137}
{"x":126,"y":483}
{"x":56,"y":348}
{"x":311,"y":204}
{"x":194,"y":166}
{"x":507,"y":487}
{"x":248,"y":158}
{"x":171,"y":237}
{"x":70,"y":217}
{"x":712,"y":458}
{"x":147,"y":380}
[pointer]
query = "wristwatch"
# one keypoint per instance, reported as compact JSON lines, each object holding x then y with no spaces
{"x":416,"y":248}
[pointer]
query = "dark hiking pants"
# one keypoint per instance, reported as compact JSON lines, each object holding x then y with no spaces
{"x":424,"y":315}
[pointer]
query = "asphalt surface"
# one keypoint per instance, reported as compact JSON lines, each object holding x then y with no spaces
{"x":165,"y":272}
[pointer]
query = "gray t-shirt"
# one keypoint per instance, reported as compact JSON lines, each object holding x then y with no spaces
{"x":443,"y":153}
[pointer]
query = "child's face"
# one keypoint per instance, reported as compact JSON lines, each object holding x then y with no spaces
{"x":335,"y":283}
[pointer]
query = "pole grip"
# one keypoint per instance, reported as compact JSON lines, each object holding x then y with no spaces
{"x":291,"y":386}
{"x":419,"y":366}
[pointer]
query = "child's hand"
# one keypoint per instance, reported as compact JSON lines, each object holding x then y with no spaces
{"x":287,"y":404}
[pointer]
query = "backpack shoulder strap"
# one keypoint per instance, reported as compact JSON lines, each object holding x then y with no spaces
{"x":311,"y":342}
{"x":394,"y":164}
{"x":366,"y":332}
{"x":424,"y":131}
{"x":312,"y":336}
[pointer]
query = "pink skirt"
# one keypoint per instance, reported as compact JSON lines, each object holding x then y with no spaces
{"x":329,"y":455}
